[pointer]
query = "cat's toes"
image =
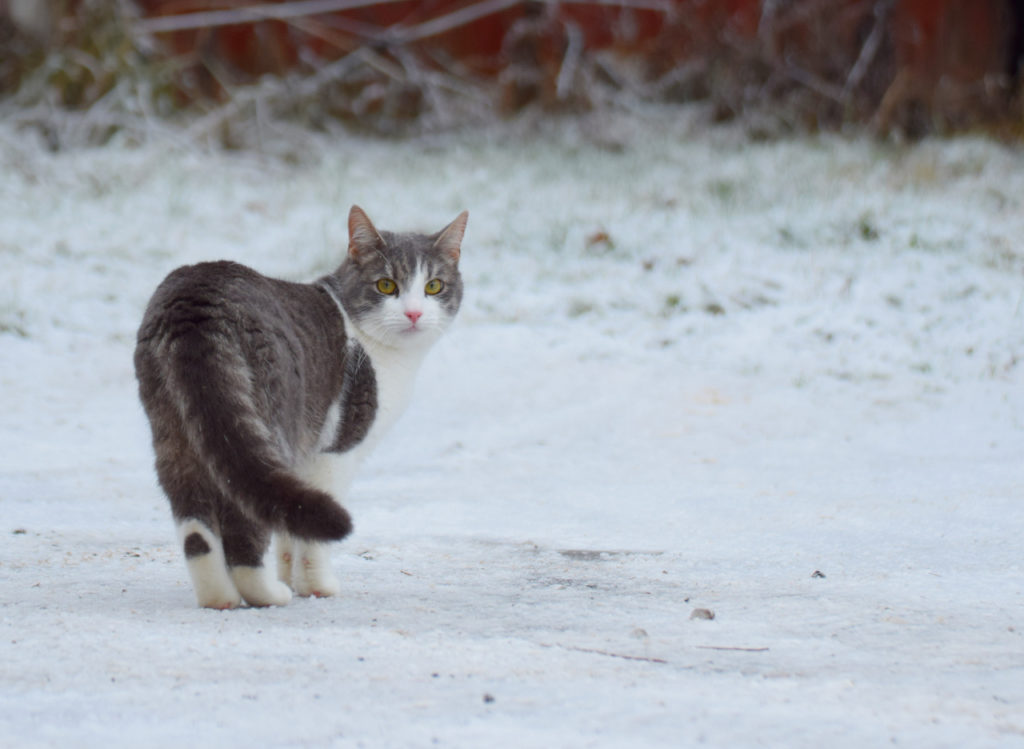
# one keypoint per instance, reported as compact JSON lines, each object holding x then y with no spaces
{"x":321,"y":586}
{"x":327,"y":588}
{"x":220,"y":602}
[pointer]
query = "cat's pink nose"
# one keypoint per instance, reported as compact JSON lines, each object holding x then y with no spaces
{"x":413,"y":315}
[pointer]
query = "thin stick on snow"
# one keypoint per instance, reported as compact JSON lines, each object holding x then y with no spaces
{"x":609,"y":654}
{"x":740,"y":650}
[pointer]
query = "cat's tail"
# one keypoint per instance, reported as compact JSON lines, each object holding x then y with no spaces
{"x":223,"y":424}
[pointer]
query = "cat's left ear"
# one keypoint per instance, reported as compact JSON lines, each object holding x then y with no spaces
{"x":363,"y":237}
{"x":449,"y":241}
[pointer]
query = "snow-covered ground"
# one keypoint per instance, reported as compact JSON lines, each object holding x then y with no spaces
{"x":781,"y":382}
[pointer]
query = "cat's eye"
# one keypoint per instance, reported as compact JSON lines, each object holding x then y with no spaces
{"x":387,"y":286}
{"x":435,"y":286}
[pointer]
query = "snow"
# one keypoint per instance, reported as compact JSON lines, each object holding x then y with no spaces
{"x":690,"y":372}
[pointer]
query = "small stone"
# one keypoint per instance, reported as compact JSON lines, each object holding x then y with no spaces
{"x":702,"y":614}
{"x":488,"y":698}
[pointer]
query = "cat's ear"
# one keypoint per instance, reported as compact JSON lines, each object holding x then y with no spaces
{"x":363,"y":237}
{"x":449,"y":241}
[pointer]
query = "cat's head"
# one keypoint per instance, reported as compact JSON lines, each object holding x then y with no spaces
{"x":401,"y":289}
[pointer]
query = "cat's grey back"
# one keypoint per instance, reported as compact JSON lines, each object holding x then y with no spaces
{"x":283,"y":341}
{"x":236,"y":373}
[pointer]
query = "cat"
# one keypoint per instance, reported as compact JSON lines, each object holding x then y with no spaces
{"x":263,"y":397}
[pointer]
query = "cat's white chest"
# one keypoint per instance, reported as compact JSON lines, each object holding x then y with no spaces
{"x":395,"y":377}
{"x":394,"y":373}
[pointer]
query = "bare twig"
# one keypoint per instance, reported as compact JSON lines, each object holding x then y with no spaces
{"x":317,"y":30}
{"x":337,"y":69}
{"x":662,"y":5}
{"x":573,"y":50}
{"x":813,"y":82}
{"x":449,"y":21}
{"x":301,"y":8}
{"x":471,"y":13}
{"x":454,"y":78}
{"x":869,"y":50}
{"x":265,"y":12}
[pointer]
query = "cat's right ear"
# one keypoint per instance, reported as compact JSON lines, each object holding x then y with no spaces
{"x":363,"y":237}
{"x":449,"y":240}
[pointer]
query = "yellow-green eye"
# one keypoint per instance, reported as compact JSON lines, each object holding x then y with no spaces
{"x":387,"y":286}
{"x":435,"y":286}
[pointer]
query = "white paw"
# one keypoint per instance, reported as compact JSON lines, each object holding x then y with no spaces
{"x":258,"y":588}
{"x":322,"y":584}
{"x":276,"y":593}
{"x":220,"y":600}
{"x":213,"y":586}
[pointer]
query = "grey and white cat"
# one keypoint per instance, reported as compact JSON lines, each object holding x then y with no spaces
{"x":264,"y":396}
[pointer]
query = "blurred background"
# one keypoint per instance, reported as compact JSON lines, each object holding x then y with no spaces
{"x":86,"y":70}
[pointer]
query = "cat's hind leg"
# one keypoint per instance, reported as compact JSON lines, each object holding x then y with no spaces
{"x":305,"y":566}
{"x":207,"y":567}
{"x":311,"y":570}
{"x":193,"y":498}
{"x":310,"y":563}
{"x":245,"y":544}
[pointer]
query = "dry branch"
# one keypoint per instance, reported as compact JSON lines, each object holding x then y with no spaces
{"x":869,"y":48}
{"x":303,"y":8}
{"x":450,"y":21}
{"x":209,"y":19}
